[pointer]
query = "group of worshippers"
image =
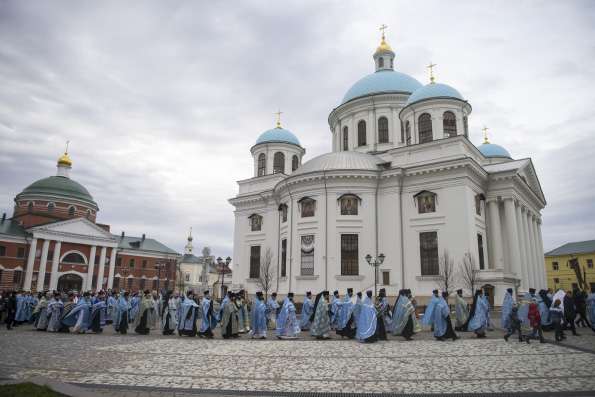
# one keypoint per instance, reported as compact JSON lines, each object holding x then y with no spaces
{"x":544,"y":311}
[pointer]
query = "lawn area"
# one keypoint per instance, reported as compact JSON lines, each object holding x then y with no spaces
{"x":27,"y":390}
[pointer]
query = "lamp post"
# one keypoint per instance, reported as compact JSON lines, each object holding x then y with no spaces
{"x":221,"y":267}
{"x":158,"y":266}
{"x":375,"y":262}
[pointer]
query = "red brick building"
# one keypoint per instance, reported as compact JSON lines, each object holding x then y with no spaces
{"x":53,"y":242}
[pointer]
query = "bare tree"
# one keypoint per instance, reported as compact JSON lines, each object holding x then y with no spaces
{"x":204,"y":273}
{"x":468,"y":273}
{"x":267,"y":275}
{"x":446,"y":272}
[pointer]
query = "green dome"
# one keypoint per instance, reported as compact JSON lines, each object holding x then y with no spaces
{"x":59,"y":186}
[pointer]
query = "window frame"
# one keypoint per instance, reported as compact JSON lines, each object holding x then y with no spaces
{"x":284,"y":257}
{"x":307,"y":258}
{"x":361,"y":133}
{"x":283,"y":210}
{"x":349,"y":197}
{"x":256,"y":221}
{"x":3,"y":250}
{"x":345,"y":139}
{"x":418,"y":197}
{"x":71,"y":210}
{"x":65,"y":260}
{"x":303,"y":202}
{"x":428,"y":256}
{"x":255,"y":261}
{"x":480,"y":251}
{"x":295,"y":162}
{"x":449,"y":124}
{"x":349,"y":254}
{"x":261,"y":165}
{"x":426,"y":133}
{"x":555,"y":266}
{"x":383,"y":130}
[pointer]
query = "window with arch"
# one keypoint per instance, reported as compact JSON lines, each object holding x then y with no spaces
{"x":30,"y":207}
{"x":308,"y":207}
{"x":279,"y":163}
{"x":51,"y":207}
{"x":478,"y":199}
{"x":262,"y":164}
{"x":345,"y":138}
{"x":361,"y":133}
{"x":283,"y":212}
{"x":449,"y":124}
{"x":73,"y":257}
{"x":426,"y":202}
{"x":425,"y":128}
{"x":349,"y":204}
{"x":408,"y":133}
{"x":255,"y":222}
{"x":71,"y":210}
{"x":295,"y":163}
{"x":466,"y":126}
{"x":380,"y":62}
{"x":382,"y":130}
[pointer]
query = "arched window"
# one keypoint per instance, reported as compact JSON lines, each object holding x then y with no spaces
{"x":295,"y":162}
{"x":349,"y":204}
{"x":255,"y":222}
{"x":30,"y":207}
{"x":382,"y":130}
{"x":361,"y":133}
{"x":449,"y":124}
{"x":73,"y":257}
{"x":426,"y":202}
{"x":345,"y":138}
{"x":408,"y":133}
{"x":51,"y":207}
{"x":380,"y":62}
{"x":279,"y":163}
{"x":262,"y":164}
{"x":308,"y":207}
{"x":425,"y":128}
{"x":71,"y":210}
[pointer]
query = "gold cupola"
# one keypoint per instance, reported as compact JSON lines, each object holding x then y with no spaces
{"x":384,"y":56}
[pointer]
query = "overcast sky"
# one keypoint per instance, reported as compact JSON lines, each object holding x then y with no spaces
{"x":162,"y":100}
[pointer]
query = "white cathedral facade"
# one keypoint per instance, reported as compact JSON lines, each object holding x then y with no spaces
{"x":403,"y":179}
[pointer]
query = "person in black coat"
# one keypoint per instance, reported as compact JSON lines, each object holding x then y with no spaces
{"x":569,"y":313}
{"x":580,"y":303}
{"x":10,"y":306}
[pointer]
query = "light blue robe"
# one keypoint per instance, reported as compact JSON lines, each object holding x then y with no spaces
{"x":401,"y":314}
{"x":258,"y":319}
{"x":439,"y":316}
{"x":111,"y":308}
{"x":272,"y":307}
{"x":366,"y":322}
{"x":507,"y":304}
{"x":20,"y":315}
{"x":209,"y":320}
{"x":287,"y":324}
{"x":134,"y":308}
{"x":122,"y":308}
{"x":224,"y":302}
{"x":334,"y":311}
{"x":428,"y":317}
{"x":187,"y":320}
{"x":357,"y":308}
{"x":307,"y":308}
{"x":523,"y":312}
{"x":55,"y":309}
{"x":479,"y":321}
{"x":99,"y":308}
{"x":79,"y":317}
{"x":345,"y":310}
{"x":544,"y":312}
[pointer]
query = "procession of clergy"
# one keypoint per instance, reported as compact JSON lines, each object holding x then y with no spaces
{"x":358,"y":316}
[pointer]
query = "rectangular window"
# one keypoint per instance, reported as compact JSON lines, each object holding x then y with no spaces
{"x":428,"y":249}
{"x":17,"y":276}
{"x":255,"y":261}
{"x":2,"y":250}
{"x":556,"y":280}
{"x":284,"y":258}
{"x":116,"y":283}
{"x":129,"y":282}
{"x":386,"y":278}
{"x":187,"y":277}
{"x":283,"y":213}
{"x":349,"y":255}
{"x":307,"y":250}
{"x":20,"y":252}
{"x":590,"y":263}
{"x":144,"y":264}
{"x":131,"y":263}
{"x":308,"y":207}
{"x":555,"y":266}
{"x":480,"y":251}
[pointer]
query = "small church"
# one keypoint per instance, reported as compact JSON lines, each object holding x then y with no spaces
{"x":404,"y":183}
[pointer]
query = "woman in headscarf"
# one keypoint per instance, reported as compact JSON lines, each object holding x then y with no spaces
{"x":321,"y":325}
{"x":478,"y":316}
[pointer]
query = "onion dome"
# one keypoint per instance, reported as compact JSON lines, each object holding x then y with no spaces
{"x":491,"y":149}
{"x":346,"y":160}
{"x":65,"y":160}
{"x":433,"y":91}
{"x":278,"y":135}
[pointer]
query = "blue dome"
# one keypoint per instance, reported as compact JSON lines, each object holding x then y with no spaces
{"x":278,"y":135}
{"x":382,"y":81}
{"x":492,"y":150}
{"x":434,"y":90}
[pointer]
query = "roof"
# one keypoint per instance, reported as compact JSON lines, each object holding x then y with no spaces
{"x":189,"y":258}
{"x":434,"y":90}
{"x":382,"y":81}
{"x":148,"y":244}
{"x":506,"y":166}
{"x":11,"y":228}
{"x":493,"y":150}
{"x":59,"y":186}
{"x":579,"y":247}
{"x":278,"y":134}
{"x":339,"y":161}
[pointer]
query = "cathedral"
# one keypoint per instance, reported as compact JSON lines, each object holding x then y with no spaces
{"x":404,"y":183}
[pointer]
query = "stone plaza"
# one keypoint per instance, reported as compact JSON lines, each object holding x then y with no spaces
{"x":157,"y":365}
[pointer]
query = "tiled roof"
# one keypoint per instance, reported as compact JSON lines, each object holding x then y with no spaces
{"x":579,"y":247}
{"x":148,"y":244}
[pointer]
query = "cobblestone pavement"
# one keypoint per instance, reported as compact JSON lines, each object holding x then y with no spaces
{"x":119,"y":364}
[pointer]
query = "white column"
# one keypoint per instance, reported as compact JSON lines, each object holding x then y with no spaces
{"x":30,"y":264}
{"x":495,"y":235}
{"x":531,"y":248}
{"x":55,"y":265}
{"x":542,"y":259}
{"x":101,"y":265}
{"x":112,"y":266}
{"x":538,"y":262}
{"x":91,"y":269}
{"x":511,"y":233}
{"x":522,"y":248}
{"x":527,"y":253}
{"x":42,"y":264}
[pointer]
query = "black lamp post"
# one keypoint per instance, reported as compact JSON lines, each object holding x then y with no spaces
{"x":375,"y":262}
{"x":221,"y":266}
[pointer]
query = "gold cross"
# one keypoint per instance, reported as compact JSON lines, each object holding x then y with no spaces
{"x":431,"y":67}
{"x":382,"y":29}
{"x":485,"y":134}
{"x":67,"y":143}
{"x":278,"y":113}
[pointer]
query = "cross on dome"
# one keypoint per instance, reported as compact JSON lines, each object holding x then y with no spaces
{"x":278,"y":113}
{"x":431,"y":68}
{"x":485,"y":134}
{"x":65,"y":160}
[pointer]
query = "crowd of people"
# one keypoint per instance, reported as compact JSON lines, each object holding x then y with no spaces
{"x":351,"y":316}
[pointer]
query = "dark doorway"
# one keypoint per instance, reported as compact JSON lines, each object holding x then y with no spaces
{"x":70,"y":282}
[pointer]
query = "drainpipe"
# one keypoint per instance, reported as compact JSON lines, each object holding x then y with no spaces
{"x":401,"y":224}
{"x":290,"y":235}
{"x":278,"y":245}
{"x":325,"y":232}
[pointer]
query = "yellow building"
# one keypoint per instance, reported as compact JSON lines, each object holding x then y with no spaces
{"x":560,"y":274}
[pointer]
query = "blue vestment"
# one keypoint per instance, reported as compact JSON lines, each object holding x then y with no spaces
{"x":307,"y":308}
{"x":134,"y":308}
{"x":366,"y":322}
{"x":439,"y":315}
{"x":287,"y":324}
{"x":591,"y":309}
{"x":79,"y":317}
{"x":121,"y":316}
{"x":507,"y":304}
{"x":258,"y":319}
{"x":345,"y":309}
{"x":357,"y":307}
{"x":188,"y":315}
{"x":209,"y":321}
{"x":20,"y":315}
{"x":428,"y":317}
{"x":55,"y":309}
{"x":479,"y":321}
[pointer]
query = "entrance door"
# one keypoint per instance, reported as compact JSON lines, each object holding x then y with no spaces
{"x":70,"y":282}
{"x":489,"y":291}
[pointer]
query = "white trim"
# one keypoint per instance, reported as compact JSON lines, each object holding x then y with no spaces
{"x":12,"y":239}
{"x":76,"y":252}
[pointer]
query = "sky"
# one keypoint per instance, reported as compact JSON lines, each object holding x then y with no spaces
{"x":161,"y":101}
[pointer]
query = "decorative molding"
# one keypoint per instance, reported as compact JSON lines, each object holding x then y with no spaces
{"x":314,"y":277}
{"x":339,"y":277}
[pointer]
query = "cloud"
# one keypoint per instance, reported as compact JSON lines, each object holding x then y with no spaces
{"x":162,"y":100}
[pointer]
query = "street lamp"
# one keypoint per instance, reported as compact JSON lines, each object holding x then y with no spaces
{"x":375,"y":262}
{"x":221,"y":267}
{"x":159,"y":266}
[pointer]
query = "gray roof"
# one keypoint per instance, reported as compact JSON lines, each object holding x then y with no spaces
{"x":12,"y":228}
{"x":346,"y":160}
{"x":189,"y":258}
{"x":148,"y":244}
{"x":579,"y":247}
